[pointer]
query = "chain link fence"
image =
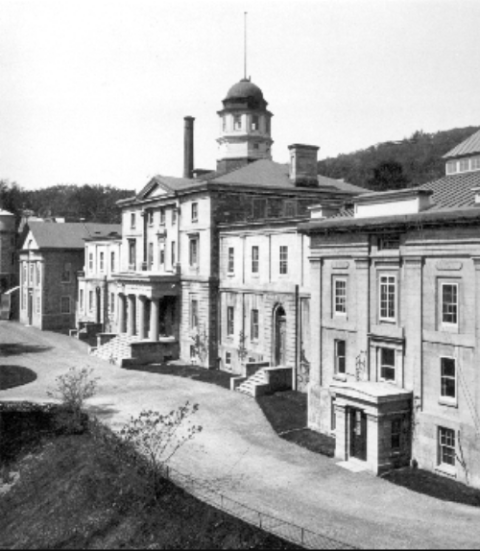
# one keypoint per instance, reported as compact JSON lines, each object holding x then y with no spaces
{"x":286,"y":530}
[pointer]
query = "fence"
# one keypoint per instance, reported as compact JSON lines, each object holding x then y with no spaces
{"x":286,"y":530}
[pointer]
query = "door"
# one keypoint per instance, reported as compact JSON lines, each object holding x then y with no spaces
{"x":30,"y":307}
{"x":358,"y":434}
{"x":280,"y":336}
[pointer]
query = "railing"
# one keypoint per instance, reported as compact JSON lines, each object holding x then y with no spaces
{"x":281,"y":528}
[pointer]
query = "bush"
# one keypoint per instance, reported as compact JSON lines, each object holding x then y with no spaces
{"x":72,"y":389}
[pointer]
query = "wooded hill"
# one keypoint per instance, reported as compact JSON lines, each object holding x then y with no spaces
{"x":93,"y":203}
{"x":395,"y":165}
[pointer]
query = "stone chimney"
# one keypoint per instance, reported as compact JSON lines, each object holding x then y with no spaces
{"x":188,"y":148}
{"x":303,"y":165}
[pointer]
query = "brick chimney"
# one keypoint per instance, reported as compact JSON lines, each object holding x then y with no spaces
{"x":303,"y":165}
{"x":188,"y":148}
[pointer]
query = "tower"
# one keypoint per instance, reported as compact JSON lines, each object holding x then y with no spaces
{"x":245,"y":127}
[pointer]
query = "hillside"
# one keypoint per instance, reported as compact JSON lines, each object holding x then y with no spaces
{"x":71,"y":493}
{"x":394,"y":165}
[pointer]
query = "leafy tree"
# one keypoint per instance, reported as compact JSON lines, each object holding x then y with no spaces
{"x":387,"y":175}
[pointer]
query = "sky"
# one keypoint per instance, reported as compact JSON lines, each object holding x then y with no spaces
{"x":96,"y":91}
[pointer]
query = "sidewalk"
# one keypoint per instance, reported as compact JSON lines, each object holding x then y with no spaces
{"x":239,"y":454}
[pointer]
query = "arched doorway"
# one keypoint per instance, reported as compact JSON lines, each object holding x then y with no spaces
{"x":280,"y":336}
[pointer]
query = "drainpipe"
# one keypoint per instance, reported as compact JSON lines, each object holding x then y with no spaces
{"x":297,"y":336}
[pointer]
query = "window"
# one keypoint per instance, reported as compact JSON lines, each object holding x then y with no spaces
{"x":38,"y":274}
{"x":162,"y":216}
{"x":340,"y":349}
{"x":194,"y":212}
{"x":231,"y":260}
{"x":448,"y":378}
{"x":65,"y":305}
{"x":194,"y":251}
{"x":173,"y":254}
{"x":133,"y":220}
{"x":254,"y":330}
{"x":387,"y":297}
{"x":90,"y":262}
{"x":224,"y":124}
{"x":475,"y":163}
{"x":451,"y":167}
{"x":230,"y":320}
{"x":150,"y":217}
{"x":150,"y":256}
{"x":132,"y":254}
{"x":396,"y":432}
{"x":80,"y":299}
{"x":67,"y":271}
{"x":174,"y":217}
{"x":194,"y":314}
{"x":12,"y":259}
{"x":112,"y":303}
{"x":228,"y":358}
{"x":389,"y":243}
{"x":255,"y":259}
{"x":90,"y":301}
{"x":387,"y":364}
{"x":112,"y":262}
{"x":254,"y":125}
{"x":289,"y":208}
{"x":237,"y":122}
{"x":340,"y":289}
{"x":30,"y":272}
{"x":38,"y":305}
{"x":267,"y":125}
{"x":450,"y":303}
{"x":24,"y":273}
{"x":464,"y":165}
{"x":283,"y":259}
{"x":446,"y":447}
{"x":102,"y":261}
{"x":161,"y":257}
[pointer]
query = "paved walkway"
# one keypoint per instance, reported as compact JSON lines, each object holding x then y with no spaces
{"x":242,"y":457}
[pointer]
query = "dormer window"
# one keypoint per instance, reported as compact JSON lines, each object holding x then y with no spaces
{"x":464,"y":165}
{"x":451,"y":167}
{"x":254,"y":125}
{"x":237,"y":122}
{"x":476,"y":163}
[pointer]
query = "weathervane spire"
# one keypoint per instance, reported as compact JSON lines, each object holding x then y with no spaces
{"x":245,"y":45}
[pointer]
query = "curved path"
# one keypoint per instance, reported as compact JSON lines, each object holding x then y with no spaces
{"x":241,"y":456}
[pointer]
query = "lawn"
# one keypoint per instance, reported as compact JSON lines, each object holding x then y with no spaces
{"x":212,"y":376}
{"x":432,"y":484}
{"x":287,"y":413}
{"x":74,"y":492}
{"x":15,"y":375}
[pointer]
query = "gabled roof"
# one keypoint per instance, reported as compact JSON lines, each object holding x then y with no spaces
{"x":69,"y":235}
{"x":469,"y":147}
{"x":266,"y":173}
{"x":168,"y":184}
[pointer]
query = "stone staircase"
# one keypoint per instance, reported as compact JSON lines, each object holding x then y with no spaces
{"x":254,"y":385}
{"x":116,"y":350}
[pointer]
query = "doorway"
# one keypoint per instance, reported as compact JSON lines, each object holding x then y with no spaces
{"x":280,"y":338}
{"x":358,"y":434}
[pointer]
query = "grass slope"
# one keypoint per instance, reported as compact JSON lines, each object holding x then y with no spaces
{"x":72,"y":495}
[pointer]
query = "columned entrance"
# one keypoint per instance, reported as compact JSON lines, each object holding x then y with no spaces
{"x":280,"y":336}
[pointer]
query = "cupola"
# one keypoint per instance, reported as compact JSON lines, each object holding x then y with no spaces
{"x":245,"y":127}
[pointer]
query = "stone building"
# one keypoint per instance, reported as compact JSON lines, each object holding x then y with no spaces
{"x":97,"y":297}
{"x":51,"y":255}
{"x":395,"y":318}
{"x":170,"y":285}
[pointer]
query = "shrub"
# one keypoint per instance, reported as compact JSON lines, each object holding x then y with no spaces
{"x":72,"y":389}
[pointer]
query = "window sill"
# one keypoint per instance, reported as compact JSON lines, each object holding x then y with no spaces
{"x":452,"y":403}
{"x":340,"y":377}
{"x":387,"y":321}
{"x":446,"y":470}
{"x":448,"y":328}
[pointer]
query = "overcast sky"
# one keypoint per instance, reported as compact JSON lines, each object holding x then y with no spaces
{"x":96,"y":91}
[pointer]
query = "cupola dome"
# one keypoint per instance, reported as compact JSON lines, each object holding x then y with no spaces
{"x":245,"y":89}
